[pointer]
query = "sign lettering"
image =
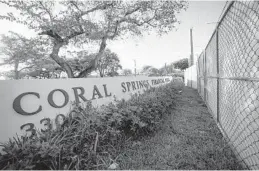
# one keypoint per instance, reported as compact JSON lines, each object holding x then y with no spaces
{"x":34,"y":105}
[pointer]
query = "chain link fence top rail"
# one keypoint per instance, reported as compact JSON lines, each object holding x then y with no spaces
{"x":228,"y":78}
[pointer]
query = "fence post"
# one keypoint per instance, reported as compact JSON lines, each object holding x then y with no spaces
{"x":197,"y":76}
{"x":205,"y":77}
{"x":217,"y":54}
{"x":190,"y":73}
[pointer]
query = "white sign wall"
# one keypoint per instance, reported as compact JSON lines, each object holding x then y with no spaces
{"x":29,"y":104}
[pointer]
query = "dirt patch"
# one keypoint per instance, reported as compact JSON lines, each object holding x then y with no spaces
{"x":189,"y":139}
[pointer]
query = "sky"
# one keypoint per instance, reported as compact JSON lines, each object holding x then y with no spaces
{"x":156,"y":51}
{"x":152,"y":49}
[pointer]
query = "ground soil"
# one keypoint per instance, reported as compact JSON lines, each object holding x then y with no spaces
{"x":189,"y":139}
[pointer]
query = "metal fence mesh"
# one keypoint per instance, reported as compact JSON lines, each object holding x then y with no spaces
{"x":201,"y":75}
{"x":211,"y":73}
{"x":229,"y":84}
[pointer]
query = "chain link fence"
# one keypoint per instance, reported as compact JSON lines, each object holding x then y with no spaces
{"x":228,"y":78}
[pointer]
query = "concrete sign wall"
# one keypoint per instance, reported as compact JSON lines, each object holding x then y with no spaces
{"x":28,"y":105}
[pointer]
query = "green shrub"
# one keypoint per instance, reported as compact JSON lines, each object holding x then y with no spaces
{"x":90,"y":138}
{"x":180,"y":74}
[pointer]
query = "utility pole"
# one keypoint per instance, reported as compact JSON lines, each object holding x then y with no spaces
{"x":191,"y":57}
{"x":135,"y":67}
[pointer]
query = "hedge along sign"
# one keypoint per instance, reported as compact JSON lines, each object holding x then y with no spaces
{"x":30,"y":105}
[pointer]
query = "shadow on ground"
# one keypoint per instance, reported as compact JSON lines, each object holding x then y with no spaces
{"x":188,"y":139}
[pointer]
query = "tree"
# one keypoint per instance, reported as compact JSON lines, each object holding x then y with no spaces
{"x":162,"y":71}
{"x":108,"y":64}
{"x":14,"y":49}
{"x":44,"y":69}
{"x":22,"y":53}
{"x":35,"y":72}
{"x":126,"y":72}
{"x":181,"y":64}
{"x":167,"y":69}
{"x":80,"y":61}
{"x":150,"y":71}
{"x":146,"y":68}
{"x":80,"y":22}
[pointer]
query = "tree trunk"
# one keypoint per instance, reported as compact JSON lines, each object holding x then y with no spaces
{"x":16,"y":72}
{"x":101,"y":73}
{"x":61,"y":62}
{"x":93,"y":64}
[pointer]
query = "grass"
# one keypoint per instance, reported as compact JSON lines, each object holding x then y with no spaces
{"x":188,"y":139}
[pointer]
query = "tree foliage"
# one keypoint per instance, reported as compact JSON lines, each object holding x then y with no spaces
{"x":126,"y":72}
{"x":108,"y":64}
{"x":24,"y":54}
{"x":167,"y":69}
{"x":181,"y":64}
{"x":82,"y":22}
{"x":150,"y":71}
{"x":146,"y":68}
{"x":79,"y":61}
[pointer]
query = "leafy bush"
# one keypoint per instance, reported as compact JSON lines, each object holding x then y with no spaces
{"x":89,"y":137}
{"x":181,"y":74}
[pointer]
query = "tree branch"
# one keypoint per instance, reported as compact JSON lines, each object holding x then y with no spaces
{"x":77,"y":33}
{"x":26,"y":68}
{"x":134,"y":21}
{"x":75,"y":5}
{"x":74,"y":34}
{"x":132,"y":11}
{"x":115,"y":31}
{"x":122,"y":20}
{"x":100,"y":7}
{"x":61,"y":62}
{"x":52,"y":34}
{"x":94,"y":62}
{"x":49,"y":13}
{"x":77,"y":16}
{"x":3,"y":64}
